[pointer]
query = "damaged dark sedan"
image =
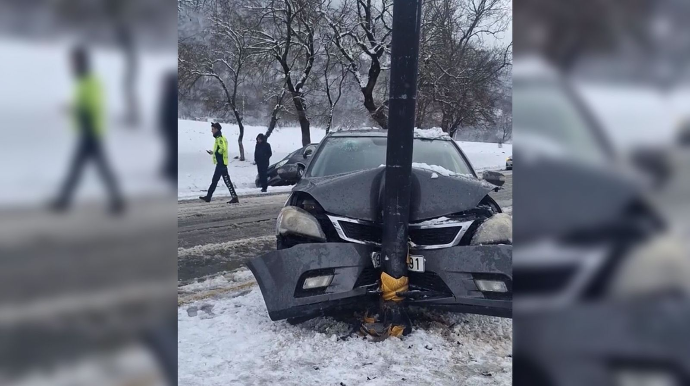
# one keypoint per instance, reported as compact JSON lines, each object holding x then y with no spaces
{"x":329,"y":232}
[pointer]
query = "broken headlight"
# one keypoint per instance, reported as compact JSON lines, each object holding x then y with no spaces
{"x":498,"y":229}
{"x":297,"y":221}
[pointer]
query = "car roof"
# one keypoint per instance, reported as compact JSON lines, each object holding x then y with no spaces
{"x":359,"y":133}
{"x":380,"y":133}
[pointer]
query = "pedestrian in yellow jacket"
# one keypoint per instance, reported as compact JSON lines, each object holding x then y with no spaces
{"x":220,"y":159}
{"x":88,"y":115}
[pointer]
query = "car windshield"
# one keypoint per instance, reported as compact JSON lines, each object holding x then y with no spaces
{"x":339,"y":155}
{"x":546,"y":116}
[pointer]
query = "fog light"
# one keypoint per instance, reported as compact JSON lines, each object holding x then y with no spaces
{"x":317,"y":282}
{"x":645,"y":378}
{"x":491,"y":285}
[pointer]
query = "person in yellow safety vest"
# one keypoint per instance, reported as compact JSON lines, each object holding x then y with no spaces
{"x":220,"y":159}
{"x":87,"y":112}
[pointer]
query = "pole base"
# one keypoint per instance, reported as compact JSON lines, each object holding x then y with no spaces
{"x":392,"y":320}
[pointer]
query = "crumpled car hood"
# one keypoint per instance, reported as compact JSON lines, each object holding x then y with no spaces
{"x":359,"y":194}
{"x":560,"y":196}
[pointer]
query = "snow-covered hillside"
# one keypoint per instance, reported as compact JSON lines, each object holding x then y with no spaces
{"x":196,"y":167}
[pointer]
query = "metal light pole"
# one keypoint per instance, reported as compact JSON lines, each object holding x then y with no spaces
{"x":396,"y":212}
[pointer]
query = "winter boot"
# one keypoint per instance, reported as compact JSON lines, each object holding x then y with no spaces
{"x":205,"y":198}
{"x":234,"y":200}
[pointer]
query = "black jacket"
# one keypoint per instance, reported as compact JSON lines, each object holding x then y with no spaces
{"x":262,"y":153}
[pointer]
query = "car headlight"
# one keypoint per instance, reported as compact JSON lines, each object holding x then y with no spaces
{"x":294,"y":220}
{"x":498,"y":229}
{"x":281,"y":163}
{"x":658,"y":266}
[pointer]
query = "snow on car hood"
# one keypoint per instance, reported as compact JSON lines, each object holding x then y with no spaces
{"x":359,"y":195}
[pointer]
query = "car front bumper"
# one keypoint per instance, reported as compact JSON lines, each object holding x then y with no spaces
{"x":449,"y":275}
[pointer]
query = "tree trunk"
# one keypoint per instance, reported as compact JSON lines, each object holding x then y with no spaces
{"x":272,"y":124}
{"x":274,"y":114}
{"x":330,"y":120}
{"x":453,"y":130}
{"x":302,"y":116}
{"x":445,"y":122}
{"x":378,"y":114}
{"x":238,"y":117}
{"x":421,"y":112}
{"x":298,"y":100}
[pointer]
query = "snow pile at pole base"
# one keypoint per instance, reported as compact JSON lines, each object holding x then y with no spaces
{"x":231,"y":340}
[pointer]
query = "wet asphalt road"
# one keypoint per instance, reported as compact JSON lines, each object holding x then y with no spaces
{"x":216,"y":237}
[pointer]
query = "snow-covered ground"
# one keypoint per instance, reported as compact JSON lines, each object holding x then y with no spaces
{"x":225,"y":337}
{"x":195,"y":167}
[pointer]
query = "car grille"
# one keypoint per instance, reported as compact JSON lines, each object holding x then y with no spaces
{"x":434,"y":236}
{"x":368,"y":276}
{"x":429,"y":281}
{"x":362,"y":232}
{"x":429,"y":236}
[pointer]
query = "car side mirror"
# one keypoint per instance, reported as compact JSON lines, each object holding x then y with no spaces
{"x":684,"y":135}
{"x":307,"y":153}
{"x":494,"y":178}
{"x":655,"y":163}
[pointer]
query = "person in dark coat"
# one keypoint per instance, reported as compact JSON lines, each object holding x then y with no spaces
{"x":262,"y":156}
{"x":168,"y":127}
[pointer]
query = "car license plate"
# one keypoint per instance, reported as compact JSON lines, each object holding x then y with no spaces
{"x":376,"y":259}
{"x":415,"y":263}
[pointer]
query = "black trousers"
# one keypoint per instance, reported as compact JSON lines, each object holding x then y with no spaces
{"x":90,"y":148}
{"x":221,"y":171}
{"x":263,"y":175}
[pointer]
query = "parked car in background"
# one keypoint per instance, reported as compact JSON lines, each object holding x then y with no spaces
{"x":297,"y":160}
{"x":509,"y":163}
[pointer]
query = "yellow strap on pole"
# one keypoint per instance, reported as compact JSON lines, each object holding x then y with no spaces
{"x":390,"y":286}
{"x":396,"y":331}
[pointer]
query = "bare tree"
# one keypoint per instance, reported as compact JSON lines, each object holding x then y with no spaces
{"x":460,"y":74}
{"x":362,"y":31}
{"x":334,"y":74}
{"x":224,"y":59}
{"x":286,"y":32}
{"x":277,"y":108}
{"x":314,"y":51}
